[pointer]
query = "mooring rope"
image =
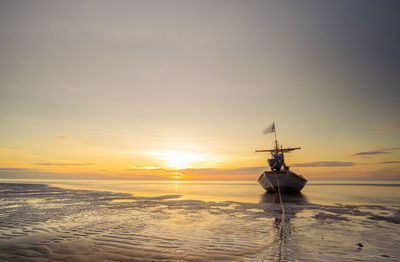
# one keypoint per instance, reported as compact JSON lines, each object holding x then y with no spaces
{"x":278,"y":250}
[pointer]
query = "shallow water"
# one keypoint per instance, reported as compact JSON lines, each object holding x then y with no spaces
{"x":197,"y":221}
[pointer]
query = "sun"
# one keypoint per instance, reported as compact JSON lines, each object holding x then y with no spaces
{"x":182,"y":159}
{"x":175,"y":175}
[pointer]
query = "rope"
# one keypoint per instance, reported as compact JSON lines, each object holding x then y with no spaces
{"x":278,"y":250}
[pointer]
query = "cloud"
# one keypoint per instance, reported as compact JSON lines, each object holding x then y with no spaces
{"x":324,"y":164}
{"x":11,"y":169}
{"x":17,"y":153}
{"x":339,"y":164}
{"x":8,"y":151}
{"x":140,"y":176}
{"x":382,"y":151}
{"x":198,"y":173}
{"x":388,"y":128}
{"x":62,"y":164}
{"x":201,"y":171}
{"x":389,"y":162}
{"x":375,"y":173}
{"x":218,"y":173}
{"x":31,"y":173}
{"x":369,"y":153}
{"x":66,"y":138}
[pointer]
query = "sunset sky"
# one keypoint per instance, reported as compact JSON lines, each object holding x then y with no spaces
{"x":183,"y":89}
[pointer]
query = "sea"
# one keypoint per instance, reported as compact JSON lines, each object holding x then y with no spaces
{"x":125,"y":220}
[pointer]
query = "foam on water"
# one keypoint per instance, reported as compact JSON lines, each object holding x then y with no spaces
{"x":47,"y":223}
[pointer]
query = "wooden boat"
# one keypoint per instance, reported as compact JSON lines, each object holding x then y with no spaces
{"x":285,"y":181}
{"x":280,"y":178}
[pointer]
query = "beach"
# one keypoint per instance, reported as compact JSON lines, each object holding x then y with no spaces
{"x":82,"y":221}
{"x":139,"y":130}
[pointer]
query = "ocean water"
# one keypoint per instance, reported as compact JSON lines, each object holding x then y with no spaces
{"x":44,"y":220}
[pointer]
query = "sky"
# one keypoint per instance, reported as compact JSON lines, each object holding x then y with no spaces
{"x":182,"y":90}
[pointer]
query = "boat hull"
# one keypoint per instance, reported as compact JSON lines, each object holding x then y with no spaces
{"x":283,"y":181}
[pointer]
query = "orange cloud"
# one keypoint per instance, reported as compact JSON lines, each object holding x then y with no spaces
{"x":324,"y":164}
{"x":388,"y":128}
{"x":62,"y":164}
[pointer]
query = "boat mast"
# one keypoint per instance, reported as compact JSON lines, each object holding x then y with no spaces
{"x":276,"y":150}
{"x":276,"y":141}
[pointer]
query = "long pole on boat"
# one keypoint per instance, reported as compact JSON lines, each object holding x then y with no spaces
{"x":276,"y":141}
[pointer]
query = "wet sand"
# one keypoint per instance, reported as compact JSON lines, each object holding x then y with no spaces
{"x":47,"y":223}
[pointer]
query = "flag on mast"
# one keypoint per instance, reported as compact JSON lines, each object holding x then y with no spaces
{"x":270,"y":129}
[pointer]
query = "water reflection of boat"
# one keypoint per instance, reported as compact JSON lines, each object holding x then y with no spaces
{"x":295,"y":198}
{"x":280,"y":178}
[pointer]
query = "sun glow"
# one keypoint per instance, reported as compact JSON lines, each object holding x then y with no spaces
{"x":182,"y":159}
